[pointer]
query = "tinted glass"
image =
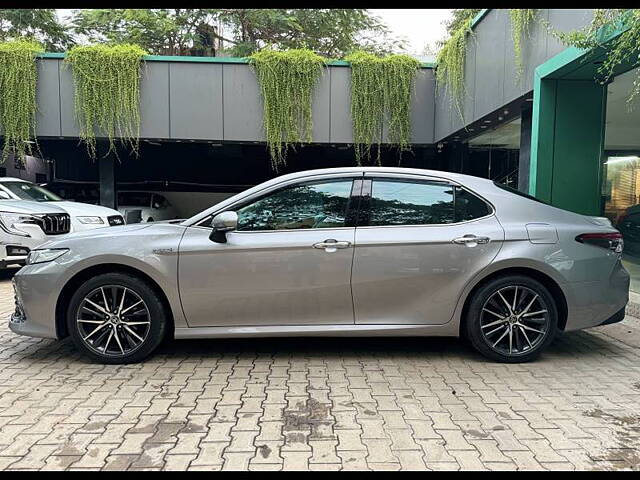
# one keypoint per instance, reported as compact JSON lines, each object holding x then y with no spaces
{"x":396,"y":202}
{"x":468,"y":206}
{"x":29,"y":191}
{"x":312,"y":205}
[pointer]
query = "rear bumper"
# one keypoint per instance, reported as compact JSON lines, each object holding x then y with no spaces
{"x":615,"y":318}
{"x":591,"y":304}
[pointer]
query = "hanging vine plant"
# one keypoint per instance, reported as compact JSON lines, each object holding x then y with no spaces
{"x":521,"y":20}
{"x":287,"y":79}
{"x":450,"y":66}
{"x":622,"y":50}
{"x":107,"y":93}
{"x":18,"y":78}
{"x":381,"y":89}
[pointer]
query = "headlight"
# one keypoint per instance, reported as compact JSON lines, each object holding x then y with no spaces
{"x":45,"y":255}
{"x":10,"y":222}
{"x":90,"y":220}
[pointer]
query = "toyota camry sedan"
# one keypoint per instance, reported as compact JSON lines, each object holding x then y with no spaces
{"x":370,"y":251}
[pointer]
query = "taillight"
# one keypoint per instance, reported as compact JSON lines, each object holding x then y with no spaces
{"x":611,"y":241}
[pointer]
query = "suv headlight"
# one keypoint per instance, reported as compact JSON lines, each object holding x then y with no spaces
{"x":45,"y":255}
{"x":90,"y":220}
{"x":10,"y":222}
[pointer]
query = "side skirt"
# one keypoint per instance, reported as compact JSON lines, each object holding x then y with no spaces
{"x":447,"y":330}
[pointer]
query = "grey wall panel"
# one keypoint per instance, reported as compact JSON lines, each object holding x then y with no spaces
{"x":493,"y":77}
{"x":422,"y":107}
{"x":209,"y":101}
{"x":534,"y":52}
{"x":341,"y":129}
{"x":48,"y":98}
{"x":242,"y":104}
{"x":68,"y":125}
{"x":565,"y":20}
{"x":154,"y":100}
{"x":195,"y":100}
{"x":468,"y":102}
{"x":489,"y":37}
{"x":321,"y":108}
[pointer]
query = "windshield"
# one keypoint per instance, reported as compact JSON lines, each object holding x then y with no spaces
{"x":30,"y":191}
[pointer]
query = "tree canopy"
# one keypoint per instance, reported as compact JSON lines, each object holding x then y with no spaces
{"x":41,"y":24}
{"x":237,"y":32}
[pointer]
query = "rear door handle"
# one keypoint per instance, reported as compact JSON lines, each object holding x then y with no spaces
{"x":331,"y":245}
{"x":471,"y":240}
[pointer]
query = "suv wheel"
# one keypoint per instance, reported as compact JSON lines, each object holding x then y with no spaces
{"x":511,"y":319}
{"x":116,"y":318}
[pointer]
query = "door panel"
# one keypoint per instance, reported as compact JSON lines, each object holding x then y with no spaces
{"x":415,"y":274}
{"x":266,"y":278}
{"x":418,"y":251}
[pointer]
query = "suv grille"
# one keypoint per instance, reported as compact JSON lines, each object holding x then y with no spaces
{"x":54,"y":223}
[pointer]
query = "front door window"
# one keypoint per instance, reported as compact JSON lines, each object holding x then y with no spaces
{"x":302,"y":206}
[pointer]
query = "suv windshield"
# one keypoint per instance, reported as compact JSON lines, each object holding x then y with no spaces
{"x":30,"y":191}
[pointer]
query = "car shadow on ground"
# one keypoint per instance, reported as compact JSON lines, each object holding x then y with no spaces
{"x":577,"y":346}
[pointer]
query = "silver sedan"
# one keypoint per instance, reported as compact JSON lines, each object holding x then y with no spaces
{"x":334,"y":252}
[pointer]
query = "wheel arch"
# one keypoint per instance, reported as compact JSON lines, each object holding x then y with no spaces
{"x":548,"y":281}
{"x":83,"y":275}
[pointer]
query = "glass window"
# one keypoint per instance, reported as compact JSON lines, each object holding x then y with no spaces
{"x":311,"y":205}
{"x":134,"y":199}
{"x":469,"y":207}
{"x":29,"y":191}
{"x":160,"y":202}
{"x":398,"y":202}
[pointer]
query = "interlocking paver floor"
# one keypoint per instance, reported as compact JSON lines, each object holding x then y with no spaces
{"x":321,"y":404}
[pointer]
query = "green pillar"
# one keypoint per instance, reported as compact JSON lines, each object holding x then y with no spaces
{"x":567,"y":142}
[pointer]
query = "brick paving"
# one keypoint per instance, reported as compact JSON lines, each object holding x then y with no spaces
{"x":321,"y":404}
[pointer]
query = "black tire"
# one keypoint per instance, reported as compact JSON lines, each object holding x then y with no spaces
{"x":478,"y":321}
{"x":155,"y":318}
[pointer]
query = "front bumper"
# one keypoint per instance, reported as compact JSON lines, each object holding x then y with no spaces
{"x":35,"y":302}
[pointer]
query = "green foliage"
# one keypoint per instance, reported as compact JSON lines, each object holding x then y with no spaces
{"x":459,"y":17}
{"x":450,"y":65}
{"x":625,"y":49}
{"x":286,"y":82}
{"x":18,"y":79}
{"x":381,"y":88}
{"x":107,"y":93}
{"x":330,"y":32}
{"x":160,"y":31}
{"x":41,"y":24}
{"x":521,"y":19}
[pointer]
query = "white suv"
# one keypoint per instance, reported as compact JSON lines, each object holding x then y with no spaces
{"x":31,"y":215}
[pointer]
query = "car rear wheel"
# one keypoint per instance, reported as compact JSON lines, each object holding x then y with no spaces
{"x":511,"y":319}
{"x":116,"y":318}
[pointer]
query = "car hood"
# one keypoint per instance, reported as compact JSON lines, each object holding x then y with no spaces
{"x":28,"y":206}
{"x":77,"y":209}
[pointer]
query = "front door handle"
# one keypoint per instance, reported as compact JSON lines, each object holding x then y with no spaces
{"x":471,"y":240}
{"x":331,"y":245}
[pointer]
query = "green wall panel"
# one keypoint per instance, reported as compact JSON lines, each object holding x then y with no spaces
{"x":577,"y":149}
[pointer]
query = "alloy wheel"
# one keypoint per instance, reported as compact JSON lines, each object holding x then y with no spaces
{"x":113,"y":320}
{"x":514,"y":320}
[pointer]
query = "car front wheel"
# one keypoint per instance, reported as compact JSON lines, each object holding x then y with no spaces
{"x":116,"y":318}
{"x":511,"y":319}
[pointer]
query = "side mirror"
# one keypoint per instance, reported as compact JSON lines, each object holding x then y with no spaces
{"x":222,"y":223}
{"x":4,"y":195}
